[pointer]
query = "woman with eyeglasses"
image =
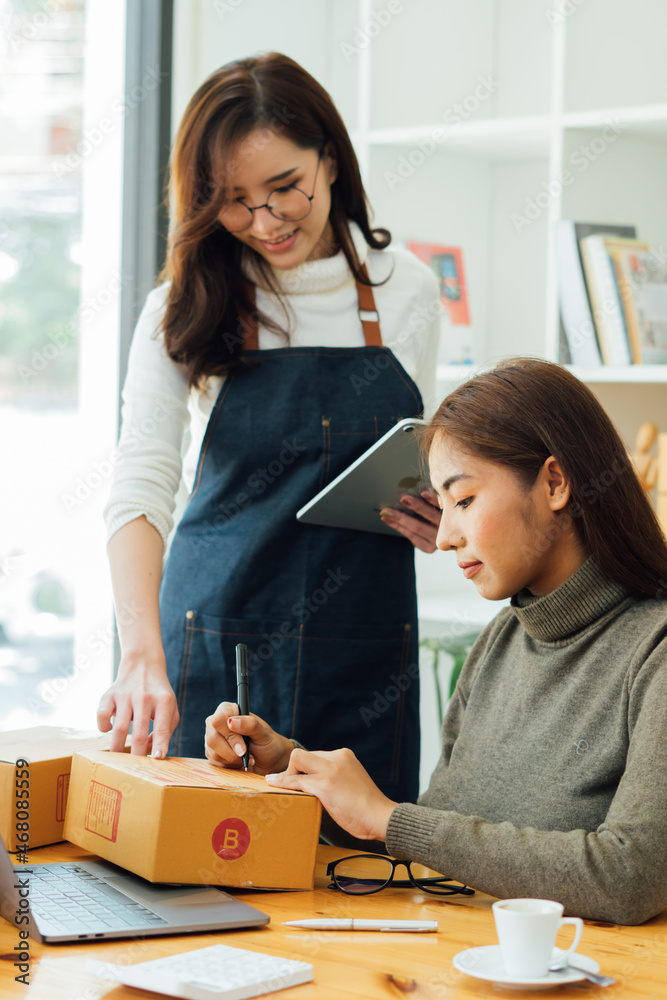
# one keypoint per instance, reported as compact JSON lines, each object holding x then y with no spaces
{"x":297,"y":339}
{"x":551,"y":782}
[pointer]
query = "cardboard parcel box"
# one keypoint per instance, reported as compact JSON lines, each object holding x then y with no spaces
{"x":34,"y":778}
{"x":184,"y":820}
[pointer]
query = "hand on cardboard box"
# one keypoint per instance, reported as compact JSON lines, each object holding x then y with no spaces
{"x":227,"y":731}
{"x":140,"y":693}
{"x":343,"y":786}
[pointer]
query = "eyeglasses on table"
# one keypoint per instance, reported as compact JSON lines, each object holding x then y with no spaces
{"x":362,"y":874}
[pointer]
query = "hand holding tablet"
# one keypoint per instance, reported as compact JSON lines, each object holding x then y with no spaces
{"x":391,"y":468}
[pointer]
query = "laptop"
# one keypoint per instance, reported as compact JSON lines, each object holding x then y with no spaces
{"x":89,"y":900}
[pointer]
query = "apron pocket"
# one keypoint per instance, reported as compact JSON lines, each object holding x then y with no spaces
{"x":345,"y":439}
{"x":208,"y":674}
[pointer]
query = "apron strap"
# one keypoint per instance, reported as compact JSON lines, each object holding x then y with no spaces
{"x":368,"y":315}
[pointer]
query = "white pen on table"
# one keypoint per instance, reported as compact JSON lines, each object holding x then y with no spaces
{"x":343,"y":924}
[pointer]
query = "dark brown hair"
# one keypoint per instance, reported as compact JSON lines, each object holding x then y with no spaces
{"x":201,"y":324}
{"x":524,"y":410}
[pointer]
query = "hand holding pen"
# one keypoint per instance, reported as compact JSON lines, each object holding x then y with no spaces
{"x":233,"y":733}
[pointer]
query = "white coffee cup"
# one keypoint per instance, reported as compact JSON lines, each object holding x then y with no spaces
{"x":527,"y":930}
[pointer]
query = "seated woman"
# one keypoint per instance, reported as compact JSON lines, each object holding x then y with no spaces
{"x":553,"y":776}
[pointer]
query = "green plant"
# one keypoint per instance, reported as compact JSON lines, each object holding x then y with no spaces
{"x":458,"y":648}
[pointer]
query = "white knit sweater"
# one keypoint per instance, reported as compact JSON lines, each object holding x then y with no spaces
{"x":164,"y":423}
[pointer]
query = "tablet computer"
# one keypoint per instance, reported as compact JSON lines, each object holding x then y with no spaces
{"x":390,"y":468}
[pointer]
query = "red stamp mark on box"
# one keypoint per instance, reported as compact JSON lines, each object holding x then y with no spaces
{"x":103,"y":810}
{"x":62,"y":789}
{"x":231,"y":839}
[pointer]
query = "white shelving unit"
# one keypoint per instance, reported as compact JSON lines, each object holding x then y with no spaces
{"x":574,"y":126}
{"x":605,"y":373}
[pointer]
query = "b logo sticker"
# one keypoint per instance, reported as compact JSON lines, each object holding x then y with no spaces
{"x":231,"y":839}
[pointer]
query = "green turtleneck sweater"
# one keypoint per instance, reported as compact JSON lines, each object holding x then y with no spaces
{"x":553,"y":777}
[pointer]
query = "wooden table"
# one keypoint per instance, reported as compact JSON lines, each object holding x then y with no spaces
{"x":347,"y":965}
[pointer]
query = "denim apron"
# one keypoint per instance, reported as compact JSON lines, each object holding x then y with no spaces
{"x":329,"y":615}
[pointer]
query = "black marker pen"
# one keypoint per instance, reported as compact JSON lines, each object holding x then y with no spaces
{"x":242,"y":692}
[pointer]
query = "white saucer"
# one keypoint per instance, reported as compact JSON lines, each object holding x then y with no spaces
{"x":487,"y":963}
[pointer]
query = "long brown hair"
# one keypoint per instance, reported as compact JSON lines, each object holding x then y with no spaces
{"x":524,"y":410}
{"x":201,"y":326}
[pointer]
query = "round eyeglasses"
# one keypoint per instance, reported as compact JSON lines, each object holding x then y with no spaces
{"x":362,"y":874}
{"x":289,"y":204}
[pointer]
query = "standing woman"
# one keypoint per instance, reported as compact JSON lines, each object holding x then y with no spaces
{"x":302,"y":340}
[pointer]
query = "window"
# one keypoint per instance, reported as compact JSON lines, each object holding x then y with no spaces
{"x":61,"y":117}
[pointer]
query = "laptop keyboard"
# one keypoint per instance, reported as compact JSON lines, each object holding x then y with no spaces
{"x":71,"y":900}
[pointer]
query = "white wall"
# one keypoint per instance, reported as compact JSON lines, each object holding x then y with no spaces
{"x":210,"y":33}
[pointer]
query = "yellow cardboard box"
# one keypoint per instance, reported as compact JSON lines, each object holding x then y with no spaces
{"x":34,"y":779}
{"x":184,"y":820}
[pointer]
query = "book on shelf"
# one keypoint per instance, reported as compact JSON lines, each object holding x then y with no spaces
{"x":605,"y":301}
{"x":618,"y":250}
{"x":577,"y":317}
{"x":447,"y":265}
{"x":647,"y":287}
{"x":639,"y":274}
{"x":446,"y":262}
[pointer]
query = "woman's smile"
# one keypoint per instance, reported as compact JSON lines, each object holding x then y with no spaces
{"x":281,"y":243}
